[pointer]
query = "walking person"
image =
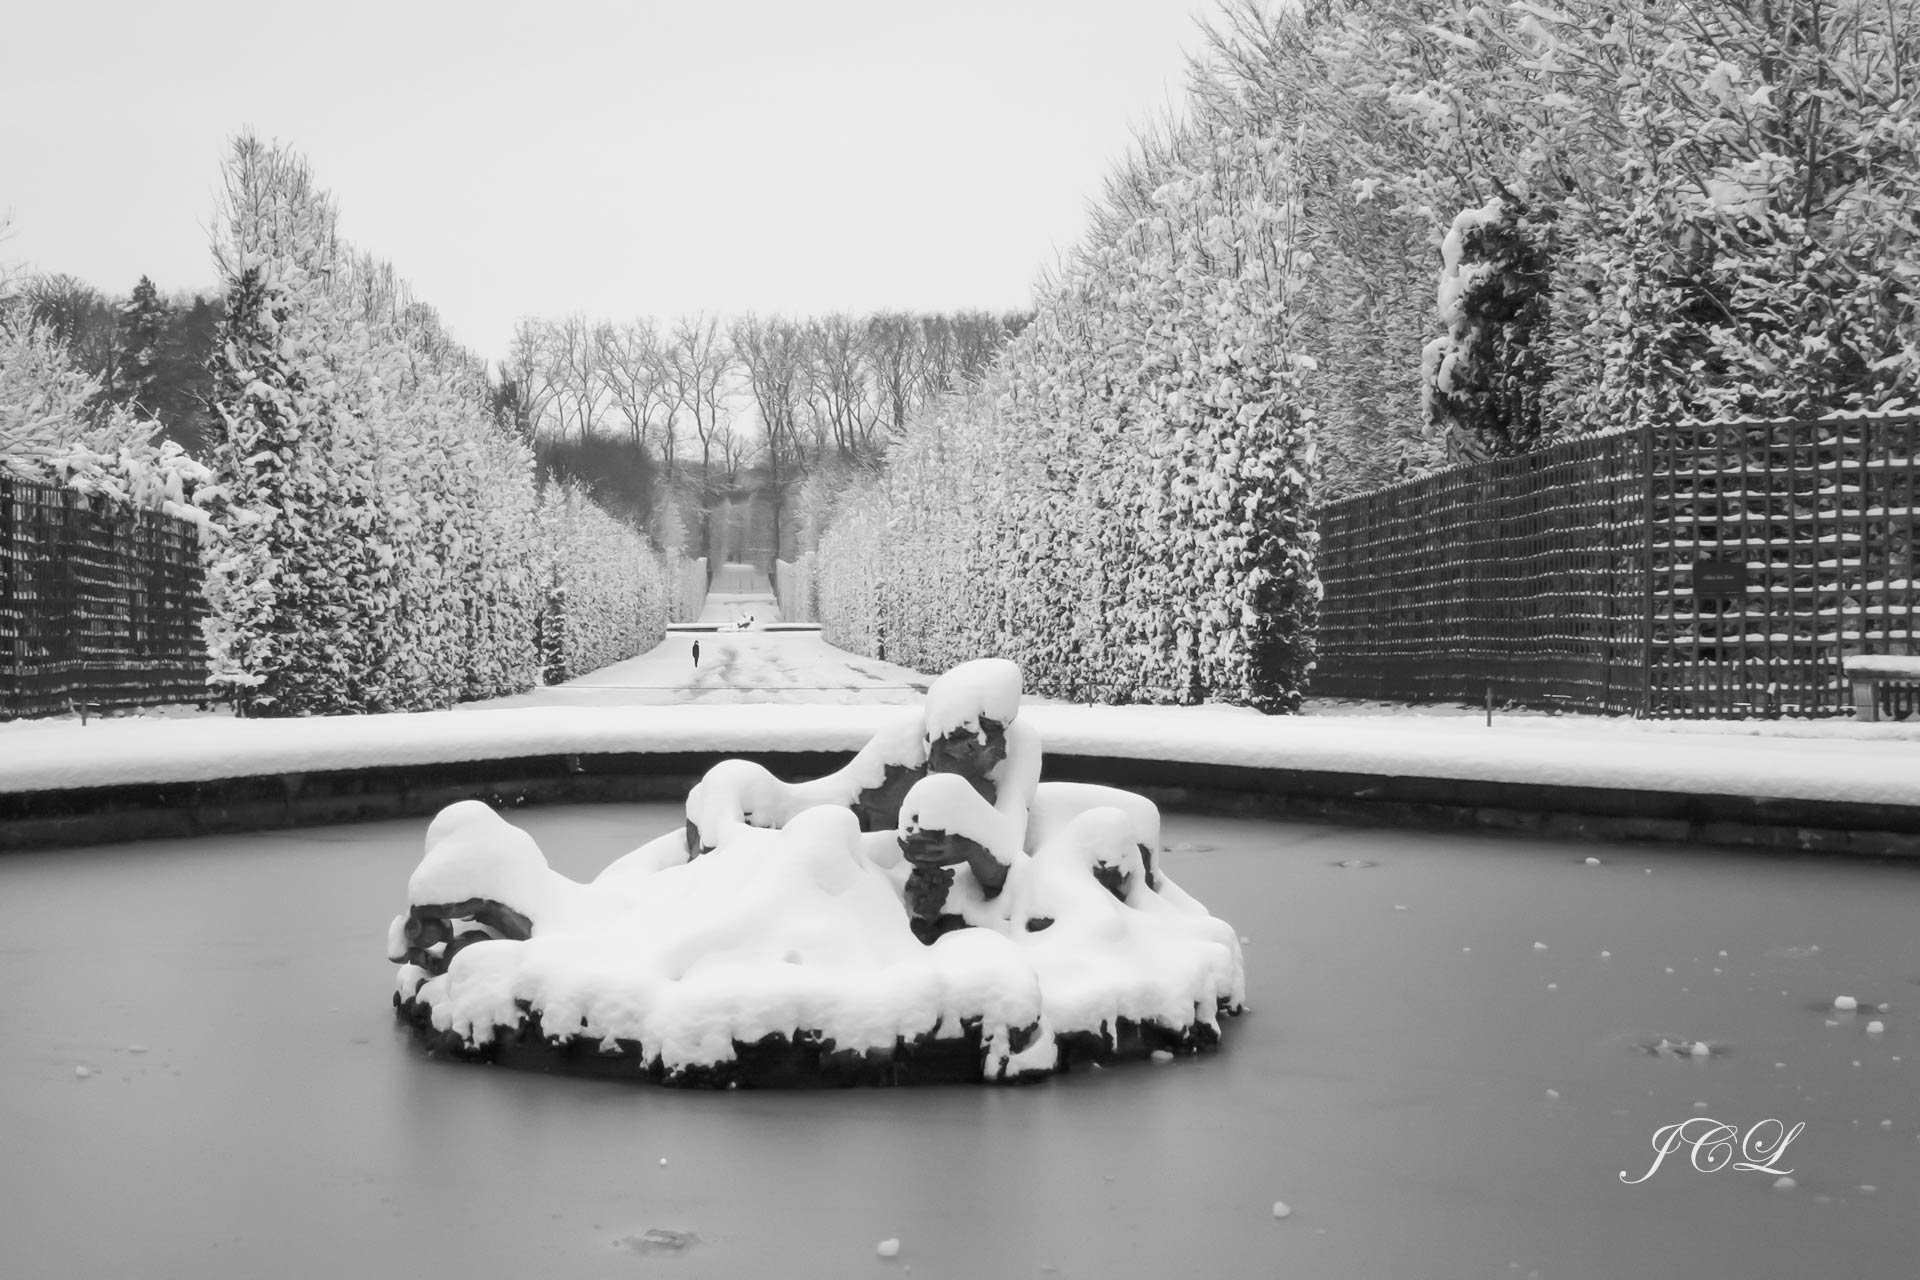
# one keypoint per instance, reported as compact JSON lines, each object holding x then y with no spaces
{"x":696,"y":655}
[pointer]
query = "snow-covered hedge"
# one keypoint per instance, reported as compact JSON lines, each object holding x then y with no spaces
{"x":793,"y":586}
{"x":388,"y":548}
{"x":1123,"y":505}
{"x":691,"y":580}
{"x":611,"y":594}
{"x":1589,"y":214}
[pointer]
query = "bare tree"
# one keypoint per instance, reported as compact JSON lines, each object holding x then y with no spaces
{"x":633,"y":370}
{"x":839,"y":387}
{"x":84,"y":321}
{"x":896,"y":355}
{"x":527,"y":388}
{"x":9,"y":273}
{"x":575,"y":371}
{"x":701,"y":363}
{"x":733,"y":446}
{"x":977,"y":339}
{"x":773,"y":353}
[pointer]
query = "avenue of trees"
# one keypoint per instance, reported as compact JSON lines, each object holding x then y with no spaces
{"x":660,"y":418}
{"x":1382,"y":236}
{"x":1387,"y":235}
{"x":385,"y":545}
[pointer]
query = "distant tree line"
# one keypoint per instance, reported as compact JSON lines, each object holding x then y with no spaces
{"x":147,"y":352}
{"x":659,"y":419}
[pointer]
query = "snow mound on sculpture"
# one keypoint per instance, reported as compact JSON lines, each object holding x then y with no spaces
{"x":995,"y":927}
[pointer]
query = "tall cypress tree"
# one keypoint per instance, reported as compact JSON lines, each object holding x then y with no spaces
{"x":143,"y":330}
{"x":283,"y":628}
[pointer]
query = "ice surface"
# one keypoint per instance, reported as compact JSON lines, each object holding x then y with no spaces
{"x":1358,"y":1035}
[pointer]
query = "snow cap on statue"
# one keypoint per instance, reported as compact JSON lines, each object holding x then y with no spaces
{"x":984,"y":688}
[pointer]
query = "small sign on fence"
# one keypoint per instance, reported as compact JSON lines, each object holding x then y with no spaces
{"x":1720,"y":578}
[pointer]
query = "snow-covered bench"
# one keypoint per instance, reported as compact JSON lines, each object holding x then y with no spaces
{"x":1888,"y":683}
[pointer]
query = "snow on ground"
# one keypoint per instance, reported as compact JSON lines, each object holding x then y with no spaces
{"x":807,"y":695}
{"x":735,"y":666}
{"x":739,"y":592}
{"x":1451,"y":714}
{"x":1874,"y":763}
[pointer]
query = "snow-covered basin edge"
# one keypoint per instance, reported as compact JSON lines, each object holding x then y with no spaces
{"x":58,"y":755}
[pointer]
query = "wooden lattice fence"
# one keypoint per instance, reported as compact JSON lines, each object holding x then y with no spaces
{"x":1721,"y":569}
{"x":100,"y":603}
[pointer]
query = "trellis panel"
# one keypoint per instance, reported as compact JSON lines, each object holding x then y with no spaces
{"x":100,"y":603}
{"x":1719,"y":569}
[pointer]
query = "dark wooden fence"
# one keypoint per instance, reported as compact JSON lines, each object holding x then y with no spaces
{"x":100,"y":603}
{"x":1709,"y":570}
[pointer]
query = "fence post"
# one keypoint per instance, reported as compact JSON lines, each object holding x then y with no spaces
{"x":1646,"y":571}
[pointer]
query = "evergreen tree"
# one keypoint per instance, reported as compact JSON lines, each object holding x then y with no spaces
{"x":144,"y":321}
{"x":283,"y":624}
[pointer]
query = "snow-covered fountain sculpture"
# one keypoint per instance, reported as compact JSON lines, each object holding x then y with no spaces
{"x":930,"y":912}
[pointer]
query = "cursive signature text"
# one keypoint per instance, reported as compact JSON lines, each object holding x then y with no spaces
{"x":1714,"y":1147}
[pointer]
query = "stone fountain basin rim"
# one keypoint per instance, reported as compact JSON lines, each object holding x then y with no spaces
{"x":90,"y":815}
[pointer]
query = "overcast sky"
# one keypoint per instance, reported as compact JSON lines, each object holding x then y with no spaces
{"x":622,"y":159}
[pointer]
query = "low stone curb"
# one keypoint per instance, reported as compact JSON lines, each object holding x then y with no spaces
{"x":96,"y":815}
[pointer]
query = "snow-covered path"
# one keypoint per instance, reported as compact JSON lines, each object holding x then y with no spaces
{"x":740,"y":591}
{"x":734,"y":666}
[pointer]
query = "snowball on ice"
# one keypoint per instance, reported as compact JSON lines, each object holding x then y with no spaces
{"x":999,"y":918}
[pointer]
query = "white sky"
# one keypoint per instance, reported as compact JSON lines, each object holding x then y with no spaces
{"x":622,"y":159}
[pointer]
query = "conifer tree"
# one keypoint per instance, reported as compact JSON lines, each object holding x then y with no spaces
{"x":143,"y":324}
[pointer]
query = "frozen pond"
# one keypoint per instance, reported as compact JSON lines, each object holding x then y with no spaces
{"x":1425,"y":1109}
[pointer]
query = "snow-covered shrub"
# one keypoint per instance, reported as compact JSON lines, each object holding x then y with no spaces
{"x":852,"y":570}
{"x":793,"y":586}
{"x":1486,"y":375}
{"x":690,"y":577}
{"x":52,"y":428}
